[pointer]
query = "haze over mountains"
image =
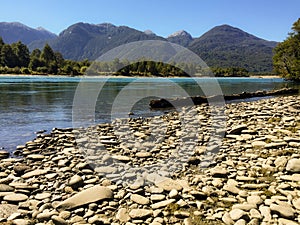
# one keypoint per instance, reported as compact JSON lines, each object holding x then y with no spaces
{"x":222,"y":46}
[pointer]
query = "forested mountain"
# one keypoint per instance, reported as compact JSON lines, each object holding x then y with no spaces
{"x":14,"y":32}
{"x":89,"y":41}
{"x":226,"y":46}
{"x":223,"y":46}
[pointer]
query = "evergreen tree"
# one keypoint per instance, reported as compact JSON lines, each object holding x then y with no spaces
{"x":8,"y":57}
{"x":48,"y":55}
{"x":22,"y":53}
{"x":286,"y":59}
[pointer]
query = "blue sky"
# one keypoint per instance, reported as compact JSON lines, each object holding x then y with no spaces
{"x":268,"y":19}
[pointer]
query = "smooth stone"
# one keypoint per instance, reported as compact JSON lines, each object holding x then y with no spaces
{"x":122,"y":158}
{"x":42,"y":196}
{"x":46,"y":215}
{"x":169,"y":184}
{"x":86,"y":196}
{"x":140,"y":213}
{"x":157,"y":197}
{"x":227,"y":219}
{"x":258,"y":144}
{"x":162,"y":204}
{"x":280,"y":161}
{"x":36,"y":157}
{"x":21,"y":222}
{"x":282,"y":221}
{"x":236,"y":214}
{"x":15,"y":198}
{"x":296,"y":203}
{"x":122,"y":215}
{"x":58,"y":220}
{"x":240,"y":222}
{"x":173,"y":193}
{"x":285,"y":210}
{"x":143,"y":154}
{"x":6,"y":188}
{"x":106,"y":169}
{"x":76,"y":181}
{"x":254,"y":213}
{"x":231,"y":188}
{"x":33,"y":173}
{"x":294,"y":177}
{"x":293,"y":165}
{"x":245,"y":206}
{"x":266,"y":213}
{"x":254,"y":199}
{"x":219,"y":172}
{"x":139,"y":199}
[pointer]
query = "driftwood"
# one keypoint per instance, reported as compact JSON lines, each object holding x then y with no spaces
{"x":197,"y":100}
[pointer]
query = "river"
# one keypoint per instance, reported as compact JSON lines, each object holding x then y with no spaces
{"x":32,"y":103}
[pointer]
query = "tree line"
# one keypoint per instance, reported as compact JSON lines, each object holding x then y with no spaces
{"x":16,"y":58}
{"x":286,"y":59}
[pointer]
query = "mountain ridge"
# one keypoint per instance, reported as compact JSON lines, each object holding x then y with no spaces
{"x":221,"y":46}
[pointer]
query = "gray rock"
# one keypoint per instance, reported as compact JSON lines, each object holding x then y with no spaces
{"x":293,"y":165}
{"x":86,"y":196}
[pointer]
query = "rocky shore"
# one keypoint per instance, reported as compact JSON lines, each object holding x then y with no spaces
{"x":90,"y":175}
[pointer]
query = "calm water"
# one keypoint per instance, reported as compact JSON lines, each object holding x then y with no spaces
{"x":31,"y":104}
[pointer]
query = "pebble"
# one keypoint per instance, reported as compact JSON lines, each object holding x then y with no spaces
{"x":15,"y":198}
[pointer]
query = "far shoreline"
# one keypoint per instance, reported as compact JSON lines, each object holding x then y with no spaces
{"x":122,"y":76}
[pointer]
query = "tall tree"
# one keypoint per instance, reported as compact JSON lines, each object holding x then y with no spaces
{"x":286,"y":59}
{"x":22,"y":53}
{"x":48,"y":54}
{"x":8,"y":57}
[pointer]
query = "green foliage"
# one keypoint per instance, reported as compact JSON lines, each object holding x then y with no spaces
{"x":230,"y":72}
{"x":287,"y":55}
{"x":16,"y":59}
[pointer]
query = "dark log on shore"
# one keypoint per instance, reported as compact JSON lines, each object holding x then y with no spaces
{"x":197,"y":100}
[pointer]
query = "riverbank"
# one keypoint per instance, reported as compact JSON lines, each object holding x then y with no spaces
{"x":253,"y":178}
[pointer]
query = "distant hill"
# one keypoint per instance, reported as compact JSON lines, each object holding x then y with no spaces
{"x":222,"y":46}
{"x":181,"y":37}
{"x":14,"y":32}
{"x":226,"y":46}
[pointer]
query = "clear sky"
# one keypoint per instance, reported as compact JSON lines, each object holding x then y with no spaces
{"x":268,"y":19}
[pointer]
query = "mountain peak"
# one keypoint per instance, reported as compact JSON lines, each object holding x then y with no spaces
{"x":180,"y":33}
{"x":149,"y":32}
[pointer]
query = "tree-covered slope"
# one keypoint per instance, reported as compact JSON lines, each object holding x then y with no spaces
{"x":226,"y":46}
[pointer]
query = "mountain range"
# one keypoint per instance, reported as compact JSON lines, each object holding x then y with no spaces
{"x":222,"y":46}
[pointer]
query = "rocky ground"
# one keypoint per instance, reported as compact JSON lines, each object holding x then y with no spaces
{"x":164,"y":170}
